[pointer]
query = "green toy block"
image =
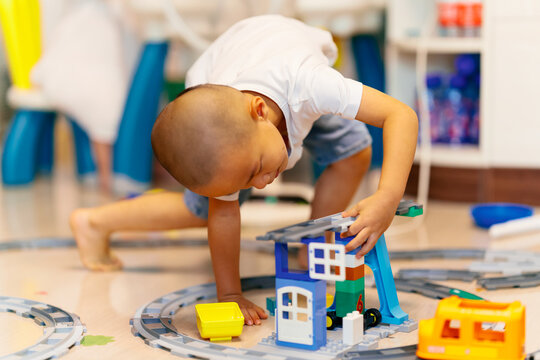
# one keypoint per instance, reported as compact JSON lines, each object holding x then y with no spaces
{"x":414,"y":211}
{"x":346,"y":302}
{"x":350,"y":286}
{"x":465,"y":295}
{"x":271,"y":305}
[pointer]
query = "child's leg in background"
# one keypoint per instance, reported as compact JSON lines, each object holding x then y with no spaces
{"x":103,"y":152}
{"x":344,"y":147}
{"x":92,"y":227}
{"x":335,"y":188}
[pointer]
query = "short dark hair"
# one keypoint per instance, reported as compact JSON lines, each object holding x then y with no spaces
{"x":191,"y":132}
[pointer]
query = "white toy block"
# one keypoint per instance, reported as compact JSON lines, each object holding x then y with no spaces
{"x":327,"y":262}
{"x":353,"y":328}
{"x":351,"y":261}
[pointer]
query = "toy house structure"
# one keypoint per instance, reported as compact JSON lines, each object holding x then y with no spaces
{"x":301,"y":310}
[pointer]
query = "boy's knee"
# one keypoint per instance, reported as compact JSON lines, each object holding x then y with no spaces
{"x":356,"y":165}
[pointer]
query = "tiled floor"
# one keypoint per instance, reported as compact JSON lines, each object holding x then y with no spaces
{"x":106,"y":301}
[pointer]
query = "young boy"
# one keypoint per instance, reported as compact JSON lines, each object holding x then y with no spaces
{"x":259,"y":93}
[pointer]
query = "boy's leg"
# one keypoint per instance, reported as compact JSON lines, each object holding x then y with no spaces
{"x":345,"y":147}
{"x":338,"y":183}
{"x":92,"y":227}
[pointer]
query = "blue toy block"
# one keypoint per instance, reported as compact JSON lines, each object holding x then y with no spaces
{"x":379,"y":262}
{"x":309,"y":240}
{"x":133,"y":150}
{"x":83,"y":151}
{"x":317,"y":316}
{"x":281,"y":253}
{"x":23,"y":142}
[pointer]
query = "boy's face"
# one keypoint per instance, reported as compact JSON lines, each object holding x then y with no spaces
{"x":255,"y":165}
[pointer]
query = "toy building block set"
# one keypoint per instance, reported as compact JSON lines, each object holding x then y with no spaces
{"x":302,"y":314}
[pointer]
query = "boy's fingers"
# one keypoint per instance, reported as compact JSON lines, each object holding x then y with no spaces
{"x":262,"y":314}
{"x":368,"y":245}
{"x":354,"y":229}
{"x":254,"y":316}
{"x":360,"y":239}
{"x":350,"y":212}
{"x":247,"y":316}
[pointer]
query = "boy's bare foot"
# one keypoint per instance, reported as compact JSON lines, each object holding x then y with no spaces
{"x":93,"y":244}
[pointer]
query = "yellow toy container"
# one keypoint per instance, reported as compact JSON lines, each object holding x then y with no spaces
{"x":473,"y":330}
{"x":219,"y":321}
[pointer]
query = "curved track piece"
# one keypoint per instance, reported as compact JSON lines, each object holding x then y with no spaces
{"x":62,"y":329}
{"x":153,"y":323}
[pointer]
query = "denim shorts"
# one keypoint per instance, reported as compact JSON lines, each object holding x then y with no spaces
{"x":331,"y":139}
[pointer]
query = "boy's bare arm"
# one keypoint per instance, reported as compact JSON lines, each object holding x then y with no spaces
{"x":224,"y":242}
{"x":400,"y":130}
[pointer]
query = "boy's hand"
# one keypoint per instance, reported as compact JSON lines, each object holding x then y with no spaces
{"x":252,"y":313}
{"x":375,"y":214}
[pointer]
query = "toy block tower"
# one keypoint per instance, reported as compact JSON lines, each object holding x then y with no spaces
{"x":301,"y":311}
{"x":350,"y":292}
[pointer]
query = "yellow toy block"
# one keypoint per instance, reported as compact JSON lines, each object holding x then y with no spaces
{"x":219,"y":321}
{"x":464,"y":329}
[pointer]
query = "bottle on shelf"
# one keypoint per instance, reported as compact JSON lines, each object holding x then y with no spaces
{"x":469,"y":18}
{"x":459,"y":18}
{"x":447,"y":14}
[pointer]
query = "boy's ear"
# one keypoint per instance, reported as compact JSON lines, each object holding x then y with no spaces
{"x":258,"y":108}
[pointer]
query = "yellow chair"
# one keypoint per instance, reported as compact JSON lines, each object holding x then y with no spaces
{"x":28,"y":147}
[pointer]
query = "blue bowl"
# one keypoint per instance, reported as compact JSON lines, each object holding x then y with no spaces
{"x":488,"y":214}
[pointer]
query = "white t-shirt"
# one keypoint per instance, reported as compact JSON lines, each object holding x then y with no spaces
{"x":289,"y":62}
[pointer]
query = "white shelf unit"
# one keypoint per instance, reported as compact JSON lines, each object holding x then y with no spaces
{"x":440,"y":45}
{"x":411,"y":33}
{"x":510,"y":68}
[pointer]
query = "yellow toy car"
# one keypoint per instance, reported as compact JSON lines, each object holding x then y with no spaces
{"x":219,"y":321}
{"x":473,"y":330}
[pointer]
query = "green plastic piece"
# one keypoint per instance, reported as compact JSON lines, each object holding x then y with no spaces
{"x":271,"y":200}
{"x":91,"y":340}
{"x":271,"y":305}
{"x":346,"y":302}
{"x":350,"y":286}
{"x":465,"y":295}
{"x":414,"y":211}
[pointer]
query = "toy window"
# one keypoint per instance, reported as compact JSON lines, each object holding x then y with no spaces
{"x":294,"y":306}
{"x":326,"y":261}
{"x":287,"y":315}
{"x":286,"y":299}
{"x":451,"y":329}
{"x":302,"y":316}
{"x":302,"y":301}
{"x":489,"y":331}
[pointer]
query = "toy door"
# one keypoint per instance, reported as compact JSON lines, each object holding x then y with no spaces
{"x":295,"y":315}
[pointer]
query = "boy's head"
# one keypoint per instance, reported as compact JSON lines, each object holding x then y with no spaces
{"x":216,"y":140}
